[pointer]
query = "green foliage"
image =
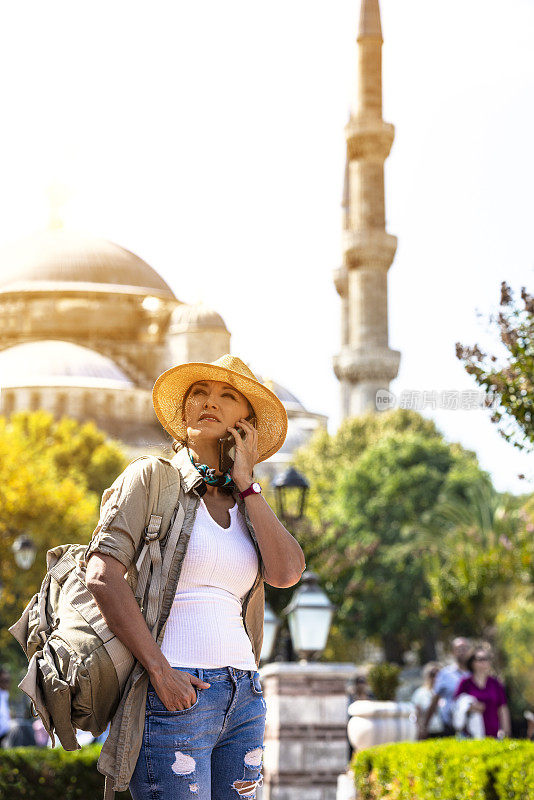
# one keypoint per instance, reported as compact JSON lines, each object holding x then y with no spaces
{"x":42,"y":773}
{"x":446,"y":769}
{"x":51,"y":478}
{"x":80,"y":451}
{"x":325,"y":455}
{"x":477,"y":552}
{"x":515,"y":636}
{"x":510,"y":382}
{"x":339,"y":648}
{"x":514,"y":778}
{"x":371,"y":486}
{"x":384,"y":680}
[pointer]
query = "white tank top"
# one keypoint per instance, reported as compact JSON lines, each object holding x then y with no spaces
{"x":205,"y":625}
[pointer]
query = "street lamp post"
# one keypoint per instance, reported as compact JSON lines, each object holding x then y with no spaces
{"x":309,"y":615}
{"x":270,"y":630}
{"x":306,"y":700}
{"x":291,"y":489}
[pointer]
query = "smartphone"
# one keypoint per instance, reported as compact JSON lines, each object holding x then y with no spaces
{"x":227,"y":447}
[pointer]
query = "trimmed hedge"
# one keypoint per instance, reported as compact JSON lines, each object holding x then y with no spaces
{"x":45,"y":773}
{"x":446,"y":769}
{"x":436,"y":769}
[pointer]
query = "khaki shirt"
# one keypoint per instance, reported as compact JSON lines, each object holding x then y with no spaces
{"x":150,"y":485}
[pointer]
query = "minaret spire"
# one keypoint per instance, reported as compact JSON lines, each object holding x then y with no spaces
{"x":370,"y":20}
{"x":365,"y":364}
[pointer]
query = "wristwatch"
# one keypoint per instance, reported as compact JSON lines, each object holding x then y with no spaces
{"x":254,"y":488}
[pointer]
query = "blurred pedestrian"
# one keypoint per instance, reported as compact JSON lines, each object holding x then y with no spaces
{"x":20,"y":734}
{"x":421,"y":698}
{"x":5,"y":714}
{"x":362,"y":690}
{"x":529,"y":716}
{"x":445,"y":685}
{"x":39,"y":732}
{"x":489,"y":694}
{"x":86,"y":737}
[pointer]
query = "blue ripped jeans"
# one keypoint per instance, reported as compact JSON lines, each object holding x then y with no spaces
{"x":210,"y":751}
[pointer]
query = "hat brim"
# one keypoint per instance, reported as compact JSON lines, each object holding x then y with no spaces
{"x":171,"y":386}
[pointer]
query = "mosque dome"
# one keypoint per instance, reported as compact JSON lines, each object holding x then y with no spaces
{"x":56,"y":363}
{"x":196,"y":316}
{"x":60,"y":259}
{"x":296,"y":437}
{"x":289,"y":400}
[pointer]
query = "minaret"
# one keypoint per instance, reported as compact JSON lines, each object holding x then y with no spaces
{"x":365,"y":363}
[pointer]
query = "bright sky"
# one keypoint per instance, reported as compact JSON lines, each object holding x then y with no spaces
{"x":208,"y":138}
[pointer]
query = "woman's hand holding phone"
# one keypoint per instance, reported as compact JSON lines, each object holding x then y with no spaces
{"x":246,"y":453}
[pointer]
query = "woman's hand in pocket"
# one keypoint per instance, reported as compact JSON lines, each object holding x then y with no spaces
{"x":176,"y":689}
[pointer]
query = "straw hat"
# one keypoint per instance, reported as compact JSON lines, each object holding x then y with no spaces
{"x":171,"y":386}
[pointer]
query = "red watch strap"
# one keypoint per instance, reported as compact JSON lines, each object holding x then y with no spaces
{"x":248,"y":491}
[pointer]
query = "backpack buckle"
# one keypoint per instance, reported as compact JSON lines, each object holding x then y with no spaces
{"x":152,"y":530}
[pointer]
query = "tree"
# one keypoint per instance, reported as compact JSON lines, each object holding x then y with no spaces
{"x":515,"y":635}
{"x":511,"y":382}
{"x":51,"y":477}
{"x":477,"y":553}
{"x":370,"y":486}
{"x":80,"y":451}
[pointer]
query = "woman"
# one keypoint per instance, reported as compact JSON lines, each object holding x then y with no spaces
{"x":421,"y":698}
{"x":204,"y":715}
{"x":489,"y":694}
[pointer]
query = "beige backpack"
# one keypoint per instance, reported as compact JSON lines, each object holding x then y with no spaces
{"x":77,"y":666}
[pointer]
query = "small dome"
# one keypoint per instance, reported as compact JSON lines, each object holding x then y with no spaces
{"x":56,"y":363}
{"x":296,"y":437}
{"x":288,"y":398}
{"x":195,"y":317}
{"x":64,"y":257}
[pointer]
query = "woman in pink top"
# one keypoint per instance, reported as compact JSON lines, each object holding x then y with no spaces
{"x":490,"y":694}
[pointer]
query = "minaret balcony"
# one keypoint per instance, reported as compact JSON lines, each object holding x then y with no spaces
{"x":368,"y":138}
{"x":369,"y":364}
{"x":370,"y":248}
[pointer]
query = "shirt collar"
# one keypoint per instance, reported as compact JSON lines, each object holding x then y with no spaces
{"x":192,"y":480}
{"x":191,"y":477}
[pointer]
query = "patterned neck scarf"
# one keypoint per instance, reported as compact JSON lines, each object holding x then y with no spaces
{"x":210,"y":476}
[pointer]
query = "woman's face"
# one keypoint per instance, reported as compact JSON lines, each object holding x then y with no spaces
{"x":211,"y":407}
{"x":481,"y":662}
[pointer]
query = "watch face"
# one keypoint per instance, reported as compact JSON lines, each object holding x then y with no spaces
{"x":256,"y":488}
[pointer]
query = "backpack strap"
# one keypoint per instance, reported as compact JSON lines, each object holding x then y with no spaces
{"x":153,"y":549}
{"x":151,"y":556}
{"x":109,"y":791}
{"x":151,"y":532}
{"x":170,"y":545}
